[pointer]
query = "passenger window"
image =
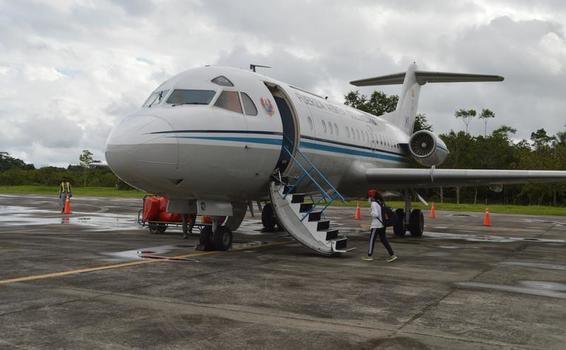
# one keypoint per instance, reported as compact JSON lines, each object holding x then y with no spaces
{"x":324,"y":126}
{"x":249,"y":106}
{"x":336,"y":129}
{"x":229,"y":100}
{"x":347,"y":132}
{"x":310,"y":122}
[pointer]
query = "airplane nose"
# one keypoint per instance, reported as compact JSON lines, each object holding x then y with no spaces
{"x":141,"y":151}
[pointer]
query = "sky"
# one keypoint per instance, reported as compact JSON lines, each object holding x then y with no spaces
{"x":70,"y":70}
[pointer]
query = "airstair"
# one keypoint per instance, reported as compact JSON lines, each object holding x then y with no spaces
{"x":302,"y":214}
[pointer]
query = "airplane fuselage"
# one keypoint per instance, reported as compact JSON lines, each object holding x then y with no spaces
{"x":208,"y":142}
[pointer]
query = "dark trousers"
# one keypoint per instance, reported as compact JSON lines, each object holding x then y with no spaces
{"x":382,"y":238}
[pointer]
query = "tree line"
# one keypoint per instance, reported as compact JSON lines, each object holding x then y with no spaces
{"x":497,"y":150}
{"x":14,"y":171}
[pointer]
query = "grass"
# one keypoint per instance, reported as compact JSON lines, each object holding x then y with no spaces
{"x":112,"y":192}
{"x":77,"y":191}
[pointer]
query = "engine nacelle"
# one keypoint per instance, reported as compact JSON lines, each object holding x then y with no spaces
{"x":427,"y":148}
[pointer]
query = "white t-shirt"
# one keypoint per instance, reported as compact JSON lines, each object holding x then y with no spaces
{"x":376,"y":215}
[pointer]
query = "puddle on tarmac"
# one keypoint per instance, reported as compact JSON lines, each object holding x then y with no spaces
{"x":535,"y":265}
{"x":538,"y":288}
{"x":555,"y":286}
{"x":135,"y":254}
{"x":543,"y":221}
{"x":160,"y":251}
{"x":19,"y":216}
{"x":487,"y":238}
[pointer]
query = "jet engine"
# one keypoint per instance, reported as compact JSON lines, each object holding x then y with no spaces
{"x":427,"y":148}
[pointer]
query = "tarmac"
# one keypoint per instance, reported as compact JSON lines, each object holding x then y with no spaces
{"x":96,"y":280}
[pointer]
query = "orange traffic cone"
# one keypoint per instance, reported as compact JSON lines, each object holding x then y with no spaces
{"x":486,"y":218}
{"x":67,"y":209}
{"x":358,"y":215}
{"x":432,"y":213}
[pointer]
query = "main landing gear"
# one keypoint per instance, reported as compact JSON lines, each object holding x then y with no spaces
{"x":408,"y":219}
{"x":215,"y":237}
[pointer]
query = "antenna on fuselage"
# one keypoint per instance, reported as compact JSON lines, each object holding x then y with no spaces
{"x":253,"y":66}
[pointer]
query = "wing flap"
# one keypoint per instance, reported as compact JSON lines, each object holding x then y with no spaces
{"x":422,"y":178}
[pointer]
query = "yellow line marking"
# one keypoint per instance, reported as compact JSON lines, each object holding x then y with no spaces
{"x":128,"y":264}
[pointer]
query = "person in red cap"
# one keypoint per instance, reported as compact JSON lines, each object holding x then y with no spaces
{"x":377,"y":226}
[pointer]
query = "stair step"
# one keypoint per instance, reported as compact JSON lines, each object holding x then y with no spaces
{"x":315,"y":216}
{"x":305,"y":207}
{"x":341,"y":243}
{"x":298,"y":198}
{"x":323,"y":225}
{"x":331,"y":234}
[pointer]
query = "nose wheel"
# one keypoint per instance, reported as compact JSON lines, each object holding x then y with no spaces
{"x":219,"y":240}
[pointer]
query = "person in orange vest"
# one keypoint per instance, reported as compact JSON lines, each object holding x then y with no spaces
{"x":377,"y":226}
{"x":64,"y":191}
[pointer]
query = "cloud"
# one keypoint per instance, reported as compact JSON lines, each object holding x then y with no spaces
{"x":71,"y":69}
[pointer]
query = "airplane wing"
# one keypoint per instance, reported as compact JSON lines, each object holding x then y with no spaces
{"x":423,"y":178}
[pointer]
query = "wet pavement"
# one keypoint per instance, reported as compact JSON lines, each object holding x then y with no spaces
{"x":96,"y":280}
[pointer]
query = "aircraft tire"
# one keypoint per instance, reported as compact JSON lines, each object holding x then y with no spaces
{"x":399,"y":226}
{"x":206,"y":242}
{"x":222,"y":238}
{"x":268,"y":218}
{"x":416,"y":223}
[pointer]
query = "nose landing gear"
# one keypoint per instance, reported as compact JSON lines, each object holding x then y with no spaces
{"x":215,"y":237}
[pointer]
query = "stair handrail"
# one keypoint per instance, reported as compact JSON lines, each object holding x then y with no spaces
{"x":307,"y":172}
{"x":298,"y":151}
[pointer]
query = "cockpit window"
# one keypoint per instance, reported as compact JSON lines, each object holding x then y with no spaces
{"x":249,"y":106}
{"x":155,"y":98}
{"x":222,"y":81}
{"x":229,"y":100}
{"x":190,"y":97}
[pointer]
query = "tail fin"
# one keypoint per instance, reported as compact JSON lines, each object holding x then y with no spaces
{"x":406,"y":111}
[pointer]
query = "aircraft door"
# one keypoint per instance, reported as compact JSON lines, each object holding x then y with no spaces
{"x":290,"y":127}
{"x":288,"y":130}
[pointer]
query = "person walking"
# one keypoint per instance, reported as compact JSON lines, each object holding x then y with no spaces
{"x":64,"y":191}
{"x":377,"y":227}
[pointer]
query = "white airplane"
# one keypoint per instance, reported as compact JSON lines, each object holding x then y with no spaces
{"x":213,"y":139}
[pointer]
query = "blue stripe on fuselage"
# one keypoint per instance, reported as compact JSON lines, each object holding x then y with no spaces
{"x":235,"y":139}
{"x":327,"y":148}
{"x":304,"y":144}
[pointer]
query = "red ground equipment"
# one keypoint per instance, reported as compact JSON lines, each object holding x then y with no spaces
{"x":155,"y":216}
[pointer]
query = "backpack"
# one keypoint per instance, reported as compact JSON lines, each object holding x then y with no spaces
{"x":388,"y":215}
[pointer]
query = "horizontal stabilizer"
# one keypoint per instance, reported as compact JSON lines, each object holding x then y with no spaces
{"x":424,"y":77}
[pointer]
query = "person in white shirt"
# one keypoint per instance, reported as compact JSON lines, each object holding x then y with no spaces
{"x":377,"y":227}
